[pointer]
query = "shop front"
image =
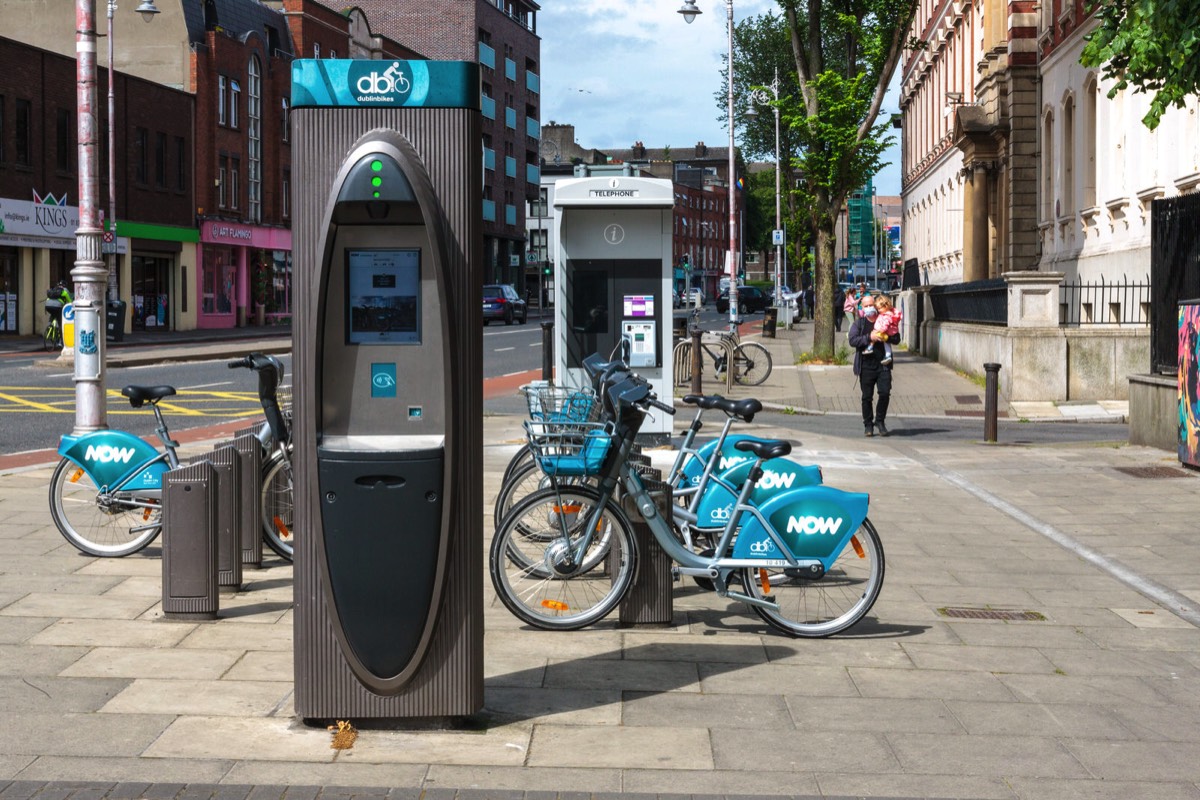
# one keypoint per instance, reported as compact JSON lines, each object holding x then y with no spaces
{"x":243,"y":275}
{"x":37,"y":249}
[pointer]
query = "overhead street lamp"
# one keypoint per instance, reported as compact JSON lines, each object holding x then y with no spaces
{"x":760,"y":96}
{"x":89,"y":274}
{"x":690,"y":12}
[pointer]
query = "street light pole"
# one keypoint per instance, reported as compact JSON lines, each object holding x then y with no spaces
{"x":89,"y":274}
{"x":690,"y":12}
{"x":114,"y":293}
{"x":760,"y":96}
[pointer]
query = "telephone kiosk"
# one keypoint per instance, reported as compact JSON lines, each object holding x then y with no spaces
{"x":388,"y":399}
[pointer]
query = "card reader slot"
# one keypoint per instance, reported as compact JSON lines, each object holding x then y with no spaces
{"x":380,"y":481}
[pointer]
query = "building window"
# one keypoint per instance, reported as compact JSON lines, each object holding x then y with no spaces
{"x":222,"y":183}
{"x":234,"y":188}
{"x":141,"y":156}
{"x":222,"y":98}
{"x":160,"y":160}
{"x":1068,"y":159}
{"x":333,"y":53}
{"x":24,"y":132}
{"x":254,"y":139}
{"x":1,"y":129}
{"x":235,"y":100}
{"x":180,"y":164}
{"x":286,"y":204}
{"x":316,"y":49}
{"x":287,"y":119}
{"x":1048,"y":167}
{"x":63,"y":141}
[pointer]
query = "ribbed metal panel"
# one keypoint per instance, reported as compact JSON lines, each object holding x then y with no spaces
{"x":228,"y":465}
{"x":649,"y":600}
{"x":450,"y":680}
{"x":189,"y":560}
{"x":249,"y":526}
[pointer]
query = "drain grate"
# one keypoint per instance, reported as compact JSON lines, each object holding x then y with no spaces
{"x":1154,"y":472}
{"x":967,"y":399}
{"x":992,"y":613}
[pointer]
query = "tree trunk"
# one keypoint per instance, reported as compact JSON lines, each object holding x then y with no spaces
{"x":824,"y":279}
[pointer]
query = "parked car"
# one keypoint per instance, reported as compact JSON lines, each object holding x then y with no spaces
{"x":751,"y":300}
{"x":689,"y":297}
{"x":501,"y":302}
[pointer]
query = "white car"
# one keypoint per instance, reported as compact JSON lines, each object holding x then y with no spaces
{"x":691,"y":296}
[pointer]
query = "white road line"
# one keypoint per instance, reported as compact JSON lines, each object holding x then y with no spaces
{"x":518,"y":372}
{"x":536,"y":344}
{"x":208,"y":385}
{"x":503,"y":349}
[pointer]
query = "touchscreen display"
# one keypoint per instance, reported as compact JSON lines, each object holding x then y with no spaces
{"x":383,"y":295}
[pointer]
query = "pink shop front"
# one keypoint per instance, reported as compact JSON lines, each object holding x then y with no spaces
{"x":244,"y":275}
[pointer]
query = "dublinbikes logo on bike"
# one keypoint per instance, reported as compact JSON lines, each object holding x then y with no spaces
{"x":107,"y":454}
{"x":380,"y":86}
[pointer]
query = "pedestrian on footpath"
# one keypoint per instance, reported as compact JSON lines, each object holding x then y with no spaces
{"x":810,"y":299}
{"x":873,"y":374}
{"x":839,"y":306}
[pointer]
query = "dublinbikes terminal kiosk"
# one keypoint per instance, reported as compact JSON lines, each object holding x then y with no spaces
{"x":614,"y":278}
{"x":388,"y":399}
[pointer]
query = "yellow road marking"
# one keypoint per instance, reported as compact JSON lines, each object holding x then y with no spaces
{"x":61,"y":400}
{"x":32,"y":405}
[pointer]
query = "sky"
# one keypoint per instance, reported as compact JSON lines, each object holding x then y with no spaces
{"x":623,"y":71}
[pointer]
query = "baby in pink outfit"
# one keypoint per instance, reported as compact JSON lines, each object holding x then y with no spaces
{"x":887,"y":325}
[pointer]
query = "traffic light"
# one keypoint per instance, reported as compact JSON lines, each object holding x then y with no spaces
{"x":546,"y":269}
{"x":741,"y":275}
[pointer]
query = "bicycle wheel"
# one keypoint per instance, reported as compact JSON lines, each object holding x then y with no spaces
{"x":752,"y":362}
{"x":530,"y":573}
{"x":829,"y":604}
{"x":519,"y":459}
{"x":52,"y":338}
{"x":105,"y":526}
{"x":276,"y":503}
{"x":523,"y":481}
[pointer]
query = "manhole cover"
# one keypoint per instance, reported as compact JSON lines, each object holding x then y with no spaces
{"x":1154,"y":472}
{"x":992,"y":613}
{"x":967,"y":399}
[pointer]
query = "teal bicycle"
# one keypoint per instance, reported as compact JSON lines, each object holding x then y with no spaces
{"x":807,"y":560}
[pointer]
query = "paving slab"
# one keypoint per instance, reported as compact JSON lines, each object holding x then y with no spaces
{"x":555,"y":706}
{"x":730,"y":783}
{"x":152,"y":662}
{"x":262,"y":665}
{"x":127,"y":769}
{"x":563,"y":782}
{"x":833,"y":751}
{"x":235,"y":738}
{"x":78,"y":734}
{"x":199,"y":697}
{"x":1051,"y":789}
{"x":28,"y":660}
{"x":46,"y":694}
{"x":986,"y":755}
{"x":866,"y":782}
{"x":942,"y":685}
{"x":1039,"y":719}
{"x":642,"y":709}
{"x":1146,"y":761}
{"x":625,"y":748}
{"x":104,"y":632}
{"x":325,"y":776}
{"x":872,"y":715}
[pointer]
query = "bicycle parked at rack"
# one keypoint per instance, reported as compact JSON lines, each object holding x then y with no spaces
{"x":808,"y":561}
{"x":751,"y":361}
{"x":275,"y":437}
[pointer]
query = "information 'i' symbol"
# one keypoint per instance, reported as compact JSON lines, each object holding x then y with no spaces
{"x":614,"y":234}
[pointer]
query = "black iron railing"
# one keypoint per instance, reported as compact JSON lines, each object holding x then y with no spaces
{"x":983,"y":302}
{"x":1103,"y":302}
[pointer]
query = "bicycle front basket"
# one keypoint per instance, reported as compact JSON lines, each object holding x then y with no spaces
{"x":561,"y":404}
{"x":571,"y":449}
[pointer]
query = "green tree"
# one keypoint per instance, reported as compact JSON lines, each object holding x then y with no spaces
{"x":1152,"y":45}
{"x":844,"y":53}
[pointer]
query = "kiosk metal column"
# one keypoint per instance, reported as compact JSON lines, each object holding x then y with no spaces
{"x":388,"y":397}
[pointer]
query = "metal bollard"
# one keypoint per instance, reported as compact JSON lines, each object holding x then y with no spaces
{"x":547,"y":350}
{"x":990,"y":400}
{"x":227,"y":463}
{"x":250,"y":525}
{"x":697,"y":336}
{"x":649,"y":600}
{"x":189,"y":563}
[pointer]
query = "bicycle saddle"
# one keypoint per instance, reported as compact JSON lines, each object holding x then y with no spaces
{"x":742,"y":409}
{"x":765,"y":448}
{"x":138,"y":395}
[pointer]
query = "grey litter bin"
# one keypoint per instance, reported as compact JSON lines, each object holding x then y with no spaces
{"x":250,"y":525}
{"x":189,"y":563}
{"x":114,"y":321}
{"x":770,"y":322}
{"x":649,"y":600}
{"x":227,"y":463}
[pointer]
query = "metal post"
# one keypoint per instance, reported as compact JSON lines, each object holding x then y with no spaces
{"x":778,"y":215}
{"x":697,"y":336}
{"x":114,"y":290}
{"x":990,"y":395}
{"x":89,"y":274}
{"x":733,"y":250}
{"x":547,"y":350}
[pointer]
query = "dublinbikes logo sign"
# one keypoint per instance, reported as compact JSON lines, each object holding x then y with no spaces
{"x":375,"y":84}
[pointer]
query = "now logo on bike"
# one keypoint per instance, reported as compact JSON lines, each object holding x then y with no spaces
{"x":811,"y":526}
{"x":107,"y":454}
{"x":777,"y":480}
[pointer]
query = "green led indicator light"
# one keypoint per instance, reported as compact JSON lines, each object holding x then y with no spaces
{"x":377,"y":181}
{"x":376,"y":165}
{"x":375,"y":194}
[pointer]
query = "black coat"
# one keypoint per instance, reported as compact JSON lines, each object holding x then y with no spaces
{"x":860,"y":339}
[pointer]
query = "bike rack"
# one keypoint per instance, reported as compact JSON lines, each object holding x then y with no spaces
{"x":249,"y":524}
{"x":683,"y":357}
{"x":649,"y":600}
{"x":227,"y":463}
{"x":189,"y":563}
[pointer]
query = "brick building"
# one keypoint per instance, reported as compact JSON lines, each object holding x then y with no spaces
{"x":502,"y":36}
{"x":39,"y":181}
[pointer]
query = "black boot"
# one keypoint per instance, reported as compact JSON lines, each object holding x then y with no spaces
{"x":868,"y":430}
{"x":883,"y":431}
